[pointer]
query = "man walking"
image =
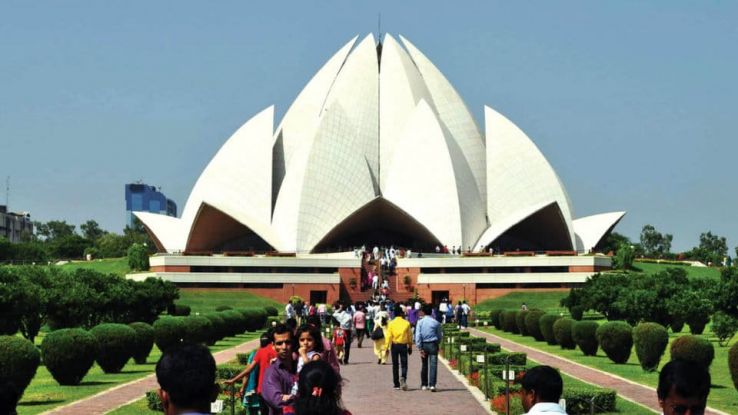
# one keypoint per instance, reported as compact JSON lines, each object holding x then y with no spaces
{"x":279,"y":376}
{"x":399,"y":341}
{"x":428,"y":335}
{"x":345,"y":320}
{"x":360,"y":324}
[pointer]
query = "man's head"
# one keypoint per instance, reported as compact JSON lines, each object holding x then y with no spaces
{"x":541,"y":384}
{"x":282,"y":342}
{"x":427,"y":309}
{"x":266,"y":338}
{"x":683,"y":388}
{"x":398,"y":310}
{"x":186,"y":376}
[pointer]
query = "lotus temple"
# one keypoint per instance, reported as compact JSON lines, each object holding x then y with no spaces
{"x":378,"y":149}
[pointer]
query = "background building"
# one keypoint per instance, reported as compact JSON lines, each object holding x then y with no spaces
{"x":141,"y":197}
{"x":13,"y":225}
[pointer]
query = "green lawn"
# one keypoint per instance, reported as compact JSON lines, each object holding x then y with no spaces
{"x":118,"y":266}
{"x":723,"y":395}
{"x":692,"y":272}
{"x":202,"y":301}
{"x":44,"y":393}
{"x":544,"y":300}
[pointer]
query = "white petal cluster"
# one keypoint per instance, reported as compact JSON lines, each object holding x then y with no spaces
{"x":378,"y":127}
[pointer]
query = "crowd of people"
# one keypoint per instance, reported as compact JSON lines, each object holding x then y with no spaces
{"x":297,"y":369}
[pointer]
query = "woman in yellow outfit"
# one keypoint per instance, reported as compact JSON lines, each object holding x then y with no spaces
{"x":381,"y":318}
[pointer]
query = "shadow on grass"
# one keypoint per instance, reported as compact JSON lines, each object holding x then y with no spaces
{"x":97,"y":383}
{"x":38,"y":403}
{"x":136,"y":371}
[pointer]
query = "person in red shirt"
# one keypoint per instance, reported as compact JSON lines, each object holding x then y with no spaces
{"x":263,"y":358}
{"x":360,"y":324}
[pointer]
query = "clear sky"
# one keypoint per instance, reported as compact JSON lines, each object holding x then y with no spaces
{"x":633,"y":103}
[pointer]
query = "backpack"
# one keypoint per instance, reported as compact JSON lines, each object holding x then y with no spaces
{"x":377,"y":334}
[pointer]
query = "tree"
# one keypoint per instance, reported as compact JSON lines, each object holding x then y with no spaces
{"x":91,"y":230}
{"x":624,"y":258}
{"x":712,"y":249}
{"x":601,"y":291}
{"x":69,"y":246}
{"x":138,"y":257}
{"x":112,"y":245}
{"x":612,"y":242}
{"x":54,"y":229}
{"x":654,"y":243}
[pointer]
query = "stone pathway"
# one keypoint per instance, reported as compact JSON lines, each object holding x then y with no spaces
{"x":118,"y":396}
{"x":368,"y":388}
{"x":641,"y":394}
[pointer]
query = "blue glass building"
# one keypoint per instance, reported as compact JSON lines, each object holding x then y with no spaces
{"x":144,"y":198}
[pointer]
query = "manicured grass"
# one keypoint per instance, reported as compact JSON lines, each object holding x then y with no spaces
{"x":117,"y":266}
{"x":723,"y":395}
{"x":544,"y":300}
{"x":203,"y":301}
{"x":692,"y":272}
{"x":44,"y":393}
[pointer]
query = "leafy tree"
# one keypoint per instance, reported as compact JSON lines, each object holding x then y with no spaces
{"x":712,"y":249}
{"x":6,"y":249}
{"x":69,"y":246}
{"x":112,"y":245}
{"x":654,"y":243}
{"x":138,"y":257}
{"x":54,"y":229}
{"x":91,"y":230}
{"x":601,"y":291}
{"x":624,"y":258}
{"x":724,"y":326}
{"x":726,"y":295}
{"x":612,"y":242}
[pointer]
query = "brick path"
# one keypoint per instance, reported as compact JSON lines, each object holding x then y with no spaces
{"x":368,"y":388}
{"x":118,"y":396}
{"x":641,"y":394}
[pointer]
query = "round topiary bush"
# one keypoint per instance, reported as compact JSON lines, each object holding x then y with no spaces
{"x":223,"y":308}
{"x":733,"y":364}
{"x":577,"y":312}
{"x":520,"y":322}
{"x":562,"y":333}
{"x":117,"y":342}
{"x":19,"y":360}
{"x":144,"y":341}
{"x":168,"y":331}
{"x":532,"y":324}
{"x":500,"y":322}
{"x":255,"y":318}
{"x":650,"y":341}
{"x":235,"y":321}
{"x":494,"y":317}
{"x":509,"y":323}
{"x":677,"y":325}
{"x":180,"y":310}
{"x":616,"y":340}
{"x":271,"y":311}
{"x":198,"y":329}
{"x":584,"y":335}
{"x":698,"y":326}
{"x":545,"y":324}
{"x":694,"y":349}
{"x":68,"y":354}
{"x":220,"y":328}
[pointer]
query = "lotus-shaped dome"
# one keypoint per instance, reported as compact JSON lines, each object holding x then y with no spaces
{"x":377,"y":148}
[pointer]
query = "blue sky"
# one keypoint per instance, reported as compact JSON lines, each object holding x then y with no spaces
{"x":633,"y":103}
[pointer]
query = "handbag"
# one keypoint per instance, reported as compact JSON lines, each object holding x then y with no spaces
{"x":377,"y":334}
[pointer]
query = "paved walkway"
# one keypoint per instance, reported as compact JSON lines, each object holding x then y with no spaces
{"x":114,"y":398}
{"x":368,"y":388}
{"x":641,"y":394}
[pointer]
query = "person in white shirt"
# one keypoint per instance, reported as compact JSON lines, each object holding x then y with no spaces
{"x":345,"y":320}
{"x":541,"y":390}
{"x":375,"y":282}
{"x":443,"y":308}
{"x":289,"y":311}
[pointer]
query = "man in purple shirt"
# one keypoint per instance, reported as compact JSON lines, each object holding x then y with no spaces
{"x":280,"y":375}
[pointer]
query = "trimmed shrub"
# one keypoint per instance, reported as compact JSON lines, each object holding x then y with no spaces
{"x":577,"y":312}
{"x":68,"y":354}
{"x":223,"y":308}
{"x":532,"y":324}
{"x":168,"y":331}
{"x":578,"y":400}
{"x":677,"y":325}
{"x":562,"y":333}
{"x":235,"y":321}
{"x":220,"y":329}
{"x":273,"y":321}
{"x":271,"y":311}
{"x":144,"y":341}
{"x":697,"y":327}
{"x":650,"y":341}
{"x":694,"y":349}
{"x":616,"y":340}
{"x":198,"y":329}
{"x":516,"y":359}
{"x":180,"y":310}
{"x":256,"y":318}
{"x":494,"y":317}
{"x":227,"y":371}
{"x":510,"y":324}
{"x":546,"y":324}
{"x":584,"y":335}
{"x":153,"y":401}
{"x":520,"y":322}
{"x":19,"y":360}
{"x":733,"y":364}
{"x":500,"y":322}
{"x":117,"y":342}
